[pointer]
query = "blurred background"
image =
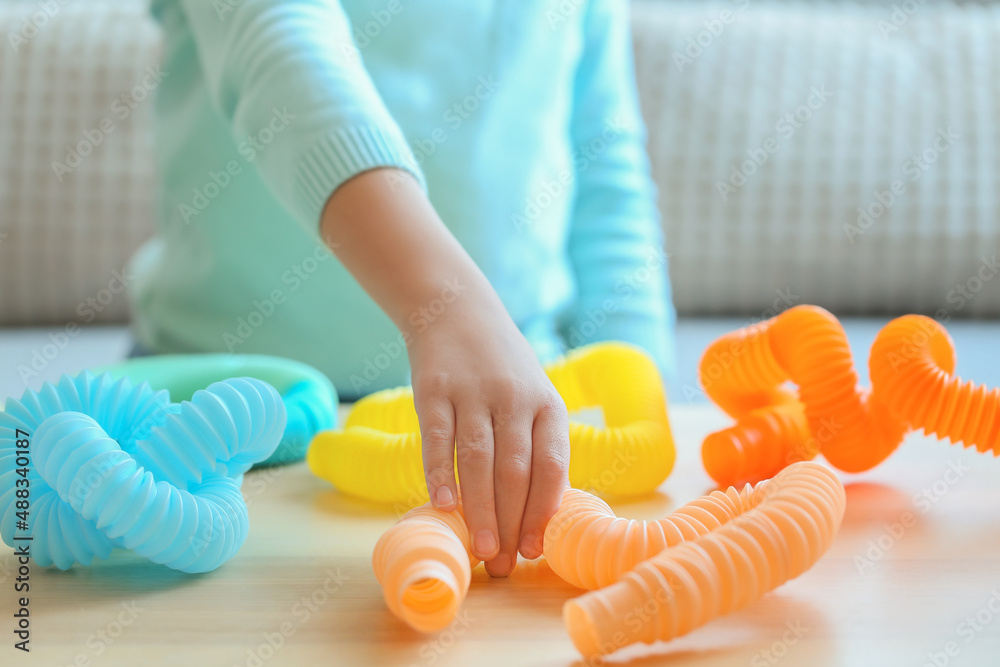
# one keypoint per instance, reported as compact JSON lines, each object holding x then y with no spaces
{"x":839,"y":153}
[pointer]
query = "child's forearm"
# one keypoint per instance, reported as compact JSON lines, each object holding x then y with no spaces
{"x":386,"y":233}
{"x":481,"y":396}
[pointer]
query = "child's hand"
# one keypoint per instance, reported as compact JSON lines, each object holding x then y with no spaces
{"x":476,"y":382}
{"x":475,"y":378}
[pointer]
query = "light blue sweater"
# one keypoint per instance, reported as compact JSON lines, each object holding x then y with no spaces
{"x":519,"y":118}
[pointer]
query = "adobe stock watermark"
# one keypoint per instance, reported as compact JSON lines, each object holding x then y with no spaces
{"x":302,"y":611}
{"x":32,"y":22}
{"x":121,"y":108}
{"x":773,"y":654}
{"x":726,"y":359}
{"x":562,"y":12}
{"x":963,"y":293}
{"x":454,"y":117}
{"x":209,"y":525}
{"x":415,"y":497}
{"x":960,"y":296}
{"x":209,"y":528}
{"x":924,"y":500}
{"x":87,"y":310}
{"x":419,"y":320}
{"x":224,"y":7}
{"x":967,"y":291}
{"x":785,"y":128}
{"x":807,"y":450}
{"x":432,"y":650}
{"x":249,"y":149}
{"x":619,"y":467}
{"x":365,"y":32}
{"x":967,"y":630}
{"x":256,"y":483}
{"x":553,"y":189}
{"x":104,"y":638}
{"x":263,"y":309}
{"x":913,"y":169}
{"x":712,"y":29}
{"x":636,"y":618}
{"x":899,"y":17}
{"x":625,"y":288}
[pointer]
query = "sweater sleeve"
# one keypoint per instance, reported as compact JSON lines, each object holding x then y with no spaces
{"x":293,"y":65}
{"x":615,"y":244}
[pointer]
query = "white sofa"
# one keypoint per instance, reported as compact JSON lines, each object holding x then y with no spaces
{"x":770,"y":124}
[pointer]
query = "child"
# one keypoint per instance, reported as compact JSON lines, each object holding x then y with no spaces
{"x":476,"y":167}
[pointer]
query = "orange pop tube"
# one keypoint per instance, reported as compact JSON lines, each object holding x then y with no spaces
{"x":781,"y":528}
{"x":377,"y":455}
{"x":760,"y":445}
{"x":744,"y":372}
{"x":911,"y":366}
{"x":764,"y":534}
{"x":589,"y":547}
{"x":424,"y":564}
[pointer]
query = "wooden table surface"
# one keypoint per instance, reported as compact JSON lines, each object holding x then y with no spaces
{"x":301,"y":592}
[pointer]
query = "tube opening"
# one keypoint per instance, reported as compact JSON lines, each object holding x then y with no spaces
{"x":721,"y":455}
{"x":429,"y":598}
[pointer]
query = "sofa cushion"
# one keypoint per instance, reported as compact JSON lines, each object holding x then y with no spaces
{"x":772,"y":124}
{"x":76,"y":156}
{"x":769,"y":126}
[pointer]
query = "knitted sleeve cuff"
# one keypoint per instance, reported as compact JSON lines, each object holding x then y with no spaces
{"x":341,"y":155}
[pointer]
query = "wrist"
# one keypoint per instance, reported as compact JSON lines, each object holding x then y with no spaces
{"x":461,"y":310}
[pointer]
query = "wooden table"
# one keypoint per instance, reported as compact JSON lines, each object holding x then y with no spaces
{"x":301,"y":592}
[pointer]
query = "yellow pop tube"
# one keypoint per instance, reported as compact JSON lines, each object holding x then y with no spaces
{"x":377,"y":455}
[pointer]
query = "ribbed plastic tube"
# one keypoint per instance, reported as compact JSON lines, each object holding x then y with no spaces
{"x":760,"y":445}
{"x":310,"y":398}
{"x":911,"y":366}
{"x":424,"y":564}
{"x":744,"y":372}
{"x":377,"y":455}
{"x":633,"y":453}
{"x":113,"y":464}
{"x":780,"y":529}
{"x":589,"y":547}
{"x":748,"y":541}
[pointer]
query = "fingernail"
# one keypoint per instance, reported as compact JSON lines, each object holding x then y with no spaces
{"x":485,"y":543}
{"x":501,"y":565}
{"x":443,"y":497}
{"x":531,"y":544}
